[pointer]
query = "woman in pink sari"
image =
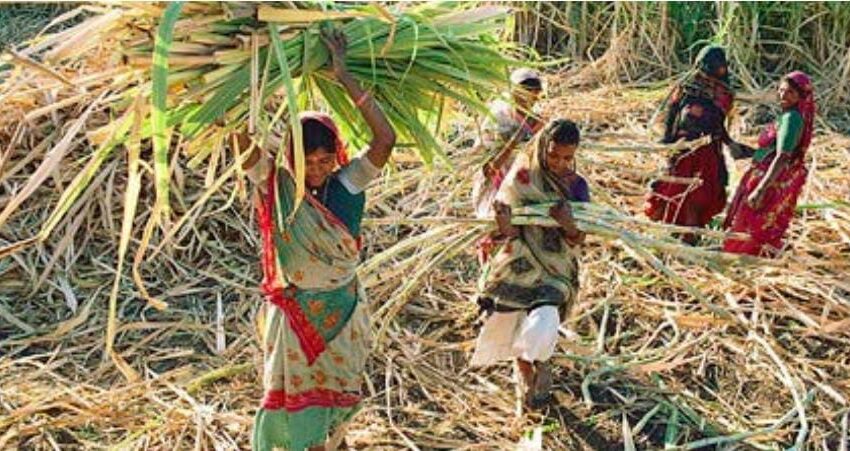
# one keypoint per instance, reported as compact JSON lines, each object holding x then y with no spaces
{"x":767,"y":196}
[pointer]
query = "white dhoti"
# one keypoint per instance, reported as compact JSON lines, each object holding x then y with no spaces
{"x":530,"y":336}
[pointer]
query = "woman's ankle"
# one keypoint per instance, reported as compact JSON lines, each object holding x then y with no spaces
{"x":526,"y":371}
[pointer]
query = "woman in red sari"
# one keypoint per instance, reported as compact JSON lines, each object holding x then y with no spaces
{"x":767,"y":196}
{"x":697,"y":107}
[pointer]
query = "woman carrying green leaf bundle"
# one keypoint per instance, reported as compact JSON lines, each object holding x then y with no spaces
{"x":316,"y":332}
{"x":509,"y":127}
{"x":531,"y":281}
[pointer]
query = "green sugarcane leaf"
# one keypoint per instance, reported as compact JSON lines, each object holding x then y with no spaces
{"x":82,"y":180}
{"x":671,"y":434}
{"x":294,"y":122}
{"x":226,"y":96}
{"x":159,"y":112}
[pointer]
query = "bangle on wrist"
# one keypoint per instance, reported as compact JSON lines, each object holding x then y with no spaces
{"x":359,"y":103}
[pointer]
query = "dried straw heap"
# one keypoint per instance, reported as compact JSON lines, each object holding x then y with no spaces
{"x":670,"y":346}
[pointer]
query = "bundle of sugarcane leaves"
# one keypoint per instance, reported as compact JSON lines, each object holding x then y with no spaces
{"x":447,"y":236}
{"x":197,"y":73}
{"x":412,"y":61}
{"x":192,"y":76}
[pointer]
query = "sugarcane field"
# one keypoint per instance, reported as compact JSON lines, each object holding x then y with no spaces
{"x":425,"y":225}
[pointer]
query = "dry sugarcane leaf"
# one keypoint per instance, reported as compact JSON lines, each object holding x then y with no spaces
{"x":699,"y":321}
{"x":84,"y":36}
{"x":302,"y":16}
{"x":51,"y":163}
{"x":23,"y":59}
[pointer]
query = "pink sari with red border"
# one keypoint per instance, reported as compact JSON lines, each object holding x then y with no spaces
{"x":767,"y":224}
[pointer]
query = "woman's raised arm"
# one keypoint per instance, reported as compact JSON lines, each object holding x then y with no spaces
{"x":383,"y":135}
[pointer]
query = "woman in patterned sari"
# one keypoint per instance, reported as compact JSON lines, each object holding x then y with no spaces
{"x":509,"y":127}
{"x":531,"y":282}
{"x":697,"y":107}
{"x":767,"y":196}
{"x":316,"y":325}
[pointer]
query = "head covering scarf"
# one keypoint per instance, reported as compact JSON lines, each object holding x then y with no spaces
{"x":534,"y":180}
{"x":539,"y":267}
{"x":524,"y":74}
{"x":806,"y":106}
{"x":702,"y":80}
{"x":711,"y":58}
{"x":339,"y":146}
{"x":544,"y":142}
{"x":700,"y":85}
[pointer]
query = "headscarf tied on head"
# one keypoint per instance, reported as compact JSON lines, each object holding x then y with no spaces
{"x":702,"y":81}
{"x":701,"y":84}
{"x":807,"y":108}
{"x":539,"y":161}
{"x":711,"y":58}
{"x":339,"y":146}
{"x":529,"y":180}
{"x":518,"y":76}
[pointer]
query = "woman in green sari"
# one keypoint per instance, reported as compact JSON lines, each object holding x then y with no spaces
{"x":316,"y":324}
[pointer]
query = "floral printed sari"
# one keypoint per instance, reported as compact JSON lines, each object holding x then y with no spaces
{"x":539,"y":267}
{"x":316,"y":332}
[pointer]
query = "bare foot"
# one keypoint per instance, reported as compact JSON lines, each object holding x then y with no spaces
{"x":539,"y":394}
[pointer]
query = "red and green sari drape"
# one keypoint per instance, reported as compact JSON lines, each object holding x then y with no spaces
{"x":316,"y":335}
